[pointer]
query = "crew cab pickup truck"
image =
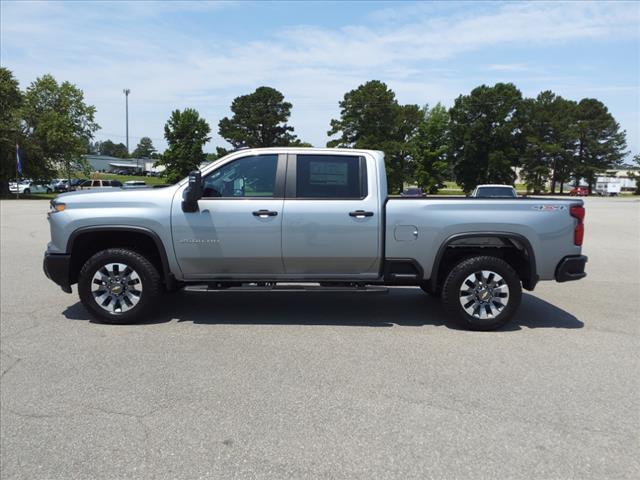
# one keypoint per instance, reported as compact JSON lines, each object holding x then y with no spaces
{"x":317,"y":218}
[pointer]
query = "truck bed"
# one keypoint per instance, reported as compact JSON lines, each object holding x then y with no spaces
{"x":417,"y":227}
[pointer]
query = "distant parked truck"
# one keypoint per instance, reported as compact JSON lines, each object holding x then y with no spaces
{"x":608,"y":189}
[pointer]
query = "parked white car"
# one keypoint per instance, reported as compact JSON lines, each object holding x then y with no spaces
{"x":28,"y":187}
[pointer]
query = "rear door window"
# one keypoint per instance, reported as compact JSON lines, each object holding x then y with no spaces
{"x":330,"y":176}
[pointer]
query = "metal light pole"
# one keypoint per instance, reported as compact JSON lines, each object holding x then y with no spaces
{"x":126,"y":92}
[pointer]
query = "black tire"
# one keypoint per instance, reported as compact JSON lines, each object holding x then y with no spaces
{"x":48,"y":190}
{"x":149,"y":278}
{"x":27,"y":191}
{"x":452,"y":293}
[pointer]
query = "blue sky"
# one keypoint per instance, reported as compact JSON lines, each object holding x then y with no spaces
{"x":202,"y":55}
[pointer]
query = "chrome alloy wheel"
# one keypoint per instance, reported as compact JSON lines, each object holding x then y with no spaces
{"x":484,"y":294}
{"x":116,"y":287}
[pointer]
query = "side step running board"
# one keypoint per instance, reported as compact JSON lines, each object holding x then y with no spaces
{"x":285,"y":287}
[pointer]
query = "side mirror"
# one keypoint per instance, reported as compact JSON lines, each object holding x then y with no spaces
{"x":192,"y":193}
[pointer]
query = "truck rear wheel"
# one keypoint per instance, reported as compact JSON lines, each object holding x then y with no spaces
{"x":119,"y":286}
{"x":482,"y":293}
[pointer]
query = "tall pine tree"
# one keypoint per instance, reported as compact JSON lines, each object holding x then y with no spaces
{"x":430,"y":149}
{"x":601,"y":144}
{"x":486,"y":137}
{"x":371,"y":117}
{"x":259,"y":120}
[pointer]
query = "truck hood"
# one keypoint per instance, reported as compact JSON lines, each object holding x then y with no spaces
{"x":114,"y":197}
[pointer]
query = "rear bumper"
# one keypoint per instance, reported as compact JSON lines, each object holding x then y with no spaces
{"x":56,"y":268}
{"x":571,"y":268}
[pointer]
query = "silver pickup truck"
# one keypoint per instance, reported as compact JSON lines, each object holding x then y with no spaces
{"x":316,"y":218}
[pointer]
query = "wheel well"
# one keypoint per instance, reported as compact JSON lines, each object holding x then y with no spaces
{"x":86,"y":244}
{"x":513,"y":251}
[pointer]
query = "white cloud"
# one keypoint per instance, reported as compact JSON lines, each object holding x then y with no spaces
{"x":104,"y":47}
{"x":508,"y":67}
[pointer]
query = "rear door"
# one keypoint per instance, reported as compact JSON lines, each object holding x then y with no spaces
{"x":331,"y":222}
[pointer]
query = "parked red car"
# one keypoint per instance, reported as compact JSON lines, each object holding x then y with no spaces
{"x":579,"y":191}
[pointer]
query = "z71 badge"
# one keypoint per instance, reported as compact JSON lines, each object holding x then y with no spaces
{"x":549,"y":208}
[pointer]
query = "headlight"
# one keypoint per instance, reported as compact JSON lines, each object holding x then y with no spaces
{"x":56,"y":207}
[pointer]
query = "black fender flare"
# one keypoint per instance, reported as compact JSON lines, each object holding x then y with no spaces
{"x":166,"y":270}
{"x":528,"y":283}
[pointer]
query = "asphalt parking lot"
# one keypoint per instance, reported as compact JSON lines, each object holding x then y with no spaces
{"x":323,"y":385}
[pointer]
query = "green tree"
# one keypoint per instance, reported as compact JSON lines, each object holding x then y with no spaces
{"x":635,"y":173}
{"x":92,"y":148}
{"x":431,"y":146}
{"x":58,"y":124}
{"x":186,"y":133}
{"x":10,"y":131}
{"x":486,"y":140}
{"x":401,"y":150}
{"x":601,"y":144}
{"x":371,"y":117}
{"x":564,"y":123}
{"x":113,"y":149}
{"x":145,"y":149}
{"x":300,"y":143}
{"x":549,"y":139}
{"x":259,"y":120}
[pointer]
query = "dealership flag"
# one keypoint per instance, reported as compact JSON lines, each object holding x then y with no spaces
{"x":18,"y":162}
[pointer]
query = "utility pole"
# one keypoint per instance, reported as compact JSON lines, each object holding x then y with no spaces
{"x":126,"y":92}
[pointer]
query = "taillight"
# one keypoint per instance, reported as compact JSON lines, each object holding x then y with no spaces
{"x":577,"y":212}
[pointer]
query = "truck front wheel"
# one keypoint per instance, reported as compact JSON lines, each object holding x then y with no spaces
{"x":119,"y":286}
{"x":482,"y":293}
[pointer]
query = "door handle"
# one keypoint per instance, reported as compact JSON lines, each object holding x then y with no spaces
{"x":360,"y":214}
{"x":264,"y":213}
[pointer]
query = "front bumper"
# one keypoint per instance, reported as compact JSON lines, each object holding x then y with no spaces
{"x":56,"y":268}
{"x":571,"y":268}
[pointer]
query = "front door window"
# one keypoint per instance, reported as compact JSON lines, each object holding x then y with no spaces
{"x":253,"y":176}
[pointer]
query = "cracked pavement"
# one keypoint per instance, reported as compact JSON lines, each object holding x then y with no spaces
{"x":328,"y":386}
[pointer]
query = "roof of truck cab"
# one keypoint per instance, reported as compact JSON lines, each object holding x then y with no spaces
{"x":310,"y":150}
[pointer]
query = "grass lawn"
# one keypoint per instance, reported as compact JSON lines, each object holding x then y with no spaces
{"x":33,"y":196}
{"x":126,"y":178}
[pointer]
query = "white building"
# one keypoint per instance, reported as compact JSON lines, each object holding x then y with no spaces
{"x":105,"y":163}
{"x":622,"y":176}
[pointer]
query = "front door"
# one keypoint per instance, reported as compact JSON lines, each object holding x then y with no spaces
{"x":237,"y":228}
{"x":332,"y":219}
